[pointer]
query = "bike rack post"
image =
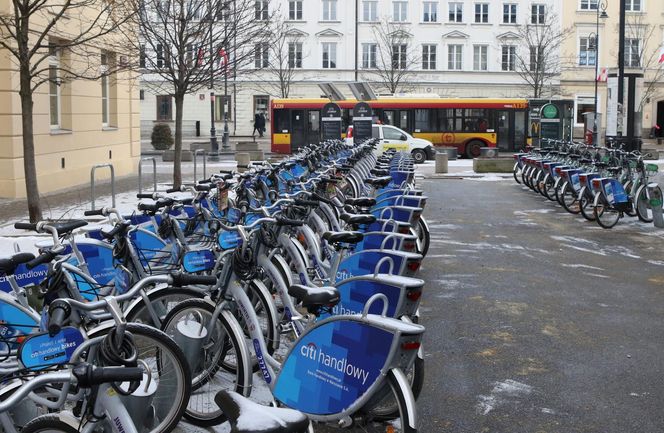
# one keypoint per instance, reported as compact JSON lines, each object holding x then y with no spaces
{"x":140,"y":173}
{"x":655,"y":194}
{"x":196,"y":153}
{"x":92,"y":182}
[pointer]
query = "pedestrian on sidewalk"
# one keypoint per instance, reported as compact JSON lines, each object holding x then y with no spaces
{"x":259,"y":124}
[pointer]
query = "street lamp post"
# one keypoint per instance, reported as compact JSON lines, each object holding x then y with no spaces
{"x":224,"y":139}
{"x":214,"y":145}
{"x":601,"y":6}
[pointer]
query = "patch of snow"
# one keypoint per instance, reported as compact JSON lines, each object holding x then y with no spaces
{"x":577,"y":265}
{"x":508,"y":389}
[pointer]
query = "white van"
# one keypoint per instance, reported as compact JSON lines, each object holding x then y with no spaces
{"x":392,"y":137}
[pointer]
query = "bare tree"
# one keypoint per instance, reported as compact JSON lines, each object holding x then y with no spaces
{"x":642,"y":51}
{"x":538,"y":59}
{"x":285,"y":57}
{"x":52,"y":42}
{"x":188,"y":45}
{"x":395,"y":60}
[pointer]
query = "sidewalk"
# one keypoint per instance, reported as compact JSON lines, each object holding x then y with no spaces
{"x":264,"y":144}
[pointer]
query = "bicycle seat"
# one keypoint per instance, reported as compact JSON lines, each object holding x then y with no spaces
{"x":8,"y":266}
{"x":314,"y":297}
{"x":361,"y":201}
{"x":380,"y":172}
{"x":66,"y":227}
{"x":348,"y":237}
{"x":379,"y":181}
{"x":248,"y":417}
{"x":358,"y":219}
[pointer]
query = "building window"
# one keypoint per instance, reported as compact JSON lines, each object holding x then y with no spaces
{"x":509,"y":13}
{"x":260,"y":10}
{"x":105,"y":91}
{"x":369,"y":11}
{"x":369,"y":56}
{"x":429,"y":56}
{"x":329,"y":55}
{"x":588,"y":5}
{"x":508,"y":62}
{"x":261,"y":53}
{"x":164,"y":107}
{"x":222,"y":107}
{"x":399,"y":56}
{"x":295,"y":10}
{"x":163,"y":56}
{"x":261,"y":104}
{"x":141,"y":57}
{"x":456,"y":12}
{"x":584,"y":104}
{"x":633,"y":5}
{"x":430,"y":12}
{"x":480,"y":58}
{"x":481,"y":12}
{"x":54,"y":86}
{"x":329,"y":10}
{"x":587,"y":52}
{"x":536,"y":59}
{"x":400,"y":11}
{"x":632,"y":52}
{"x":538,"y":14}
{"x":454,"y":57}
{"x":295,"y":55}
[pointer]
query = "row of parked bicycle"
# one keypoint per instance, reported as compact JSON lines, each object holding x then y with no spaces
{"x":601,"y":183}
{"x":301,"y":271}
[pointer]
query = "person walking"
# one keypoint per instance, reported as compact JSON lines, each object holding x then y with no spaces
{"x":261,"y":124}
{"x":257,"y":121}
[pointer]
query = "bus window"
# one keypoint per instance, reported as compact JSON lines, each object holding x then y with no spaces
{"x":388,"y":117}
{"x":403,"y":120}
{"x":314,"y":121}
{"x":423,"y":121}
{"x":281,"y":124}
{"x":519,"y":129}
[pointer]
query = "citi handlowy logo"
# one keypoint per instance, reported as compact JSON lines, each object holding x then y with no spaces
{"x":311,"y":351}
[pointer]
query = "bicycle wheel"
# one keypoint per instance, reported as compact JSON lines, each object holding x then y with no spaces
{"x":373,"y":414}
{"x":516,"y":172}
{"x":547,"y":188}
{"x":632,"y":212}
{"x":423,"y":236}
{"x":225,"y":347}
{"x":569,"y":198}
{"x":586,"y":204}
{"x":169,"y":370}
{"x":161,"y":301}
{"x":643,"y":208}
{"x":605,"y":215}
{"x":49,"y":423}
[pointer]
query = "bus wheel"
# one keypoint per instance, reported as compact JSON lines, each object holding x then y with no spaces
{"x":419,"y":156}
{"x":473,"y":148}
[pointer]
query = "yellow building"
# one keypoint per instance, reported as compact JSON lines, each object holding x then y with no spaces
{"x":77,"y":123}
{"x":643,"y":48}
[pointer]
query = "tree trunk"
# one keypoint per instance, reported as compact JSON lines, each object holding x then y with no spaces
{"x":29,"y":166}
{"x":177,"y":160}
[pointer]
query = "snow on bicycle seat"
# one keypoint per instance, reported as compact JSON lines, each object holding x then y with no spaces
{"x":361,"y":201}
{"x":8,"y":266}
{"x":248,"y":417}
{"x":347,"y":237}
{"x":379,"y":181}
{"x":312,"y":296}
{"x":358,"y":218}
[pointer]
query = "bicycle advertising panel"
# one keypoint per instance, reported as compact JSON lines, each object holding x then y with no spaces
{"x":24,"y":277}
{"x":14,"y":323}
{"x":333,"y":366}
{"x":366,"y":262}
{"x":40,"y":351}
{"x":354,"y":295}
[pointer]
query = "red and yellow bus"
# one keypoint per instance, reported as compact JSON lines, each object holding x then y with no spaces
{"x":465,"y":123}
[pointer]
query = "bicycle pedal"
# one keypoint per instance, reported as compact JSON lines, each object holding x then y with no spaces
{"x":285,"y":328}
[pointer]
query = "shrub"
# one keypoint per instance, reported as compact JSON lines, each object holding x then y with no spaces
{"x":162,"y":139}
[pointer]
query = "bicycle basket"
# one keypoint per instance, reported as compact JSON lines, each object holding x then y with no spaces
{"x":652,"y":169}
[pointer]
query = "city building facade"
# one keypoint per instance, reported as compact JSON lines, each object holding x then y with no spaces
{"x":464,"y":48}
{"x":644,"y":53}
{"x":77,"y":122}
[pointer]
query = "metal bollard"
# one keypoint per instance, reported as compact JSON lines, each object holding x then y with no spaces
{"x":140,"y":173}
{"x":92,"y":182}
{"x":190,"y":335}
{"x":441,"y":162}
{"x":655,"y":193}
{"x":139,"y":404}
{"x":195,"y":156}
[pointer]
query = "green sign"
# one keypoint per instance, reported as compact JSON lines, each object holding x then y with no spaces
{"x":550,"y":111}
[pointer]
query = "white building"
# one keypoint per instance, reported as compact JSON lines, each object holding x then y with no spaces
{"x":463,"y":48}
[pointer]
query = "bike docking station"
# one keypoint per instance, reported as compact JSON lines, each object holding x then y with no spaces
{"x":656,"y":203}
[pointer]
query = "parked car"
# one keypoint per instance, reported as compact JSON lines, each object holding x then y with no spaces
{"x":392,"y":137}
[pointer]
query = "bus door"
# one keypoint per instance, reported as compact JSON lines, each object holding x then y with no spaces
{"x":313,"y":127}
{"x":505,"y":118}
{"x":298,"y":129}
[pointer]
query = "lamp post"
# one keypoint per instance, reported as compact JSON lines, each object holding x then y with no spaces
{"x":601,"y":6}
{"x":214,"y":144}
{"x":224,"y":139}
